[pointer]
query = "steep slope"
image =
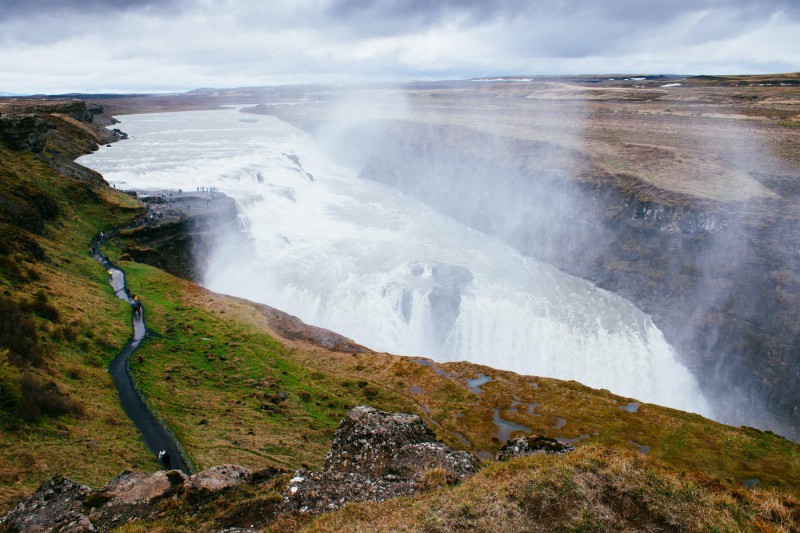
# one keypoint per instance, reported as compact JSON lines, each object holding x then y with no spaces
{"x":59,"y":321}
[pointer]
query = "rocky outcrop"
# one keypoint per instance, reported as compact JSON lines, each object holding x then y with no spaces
{"x":189,"y":228}
{"x":58,"y":131}
{"x":58,"y":505}
{"x":220,"y":477}
{"x":62,"y":505}
{"x":24,"y":133}
{"x":376,"y":455}
{"x":523,"y":446}
{"x":367,"y":440}
{"x":132,"y":496}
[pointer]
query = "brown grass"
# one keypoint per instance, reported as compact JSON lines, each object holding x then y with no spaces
{"x":592,"y":489}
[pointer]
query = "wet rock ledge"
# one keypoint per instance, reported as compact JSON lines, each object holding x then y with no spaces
{"x":181,"y":230}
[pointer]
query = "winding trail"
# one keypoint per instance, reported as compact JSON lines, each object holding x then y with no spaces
{"x":155,"y":434}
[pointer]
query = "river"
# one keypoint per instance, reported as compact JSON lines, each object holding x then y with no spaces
{"x":364,"y":260}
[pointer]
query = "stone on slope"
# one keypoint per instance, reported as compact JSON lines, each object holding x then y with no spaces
{"x":57,"y":505}
{"x":367,"y":440}
{"x":531,"y":445}
{"x":375,"y":455}
{"x":133,"y":495}
{"x":318,"y":492}
{"x":220,"y":477}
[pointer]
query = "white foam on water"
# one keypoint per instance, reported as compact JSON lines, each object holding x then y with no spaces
{"x":366,"y":261}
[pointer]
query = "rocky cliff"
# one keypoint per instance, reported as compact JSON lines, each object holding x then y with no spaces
{"x":719,"y":277}
{"x":183,"y":230}
{"x":58,"y":130}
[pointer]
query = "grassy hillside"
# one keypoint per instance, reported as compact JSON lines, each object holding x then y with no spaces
{"x":59,"y":326}
{"x":592,"y":489}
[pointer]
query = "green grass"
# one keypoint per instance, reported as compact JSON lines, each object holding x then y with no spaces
{"x":93,"y":440}
{"x":216,"y":381}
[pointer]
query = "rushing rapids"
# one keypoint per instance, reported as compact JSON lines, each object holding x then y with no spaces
{"x":364,"y":260}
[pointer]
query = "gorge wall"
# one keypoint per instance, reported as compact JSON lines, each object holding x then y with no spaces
{"x":180,"y":240}
{"x":719,"y":278}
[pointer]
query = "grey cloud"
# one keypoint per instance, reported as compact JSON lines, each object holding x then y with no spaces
{"x":184,"y":43}
{"x":582,"y":28}
{"x":17,"y":9}
{"x":387,"y":17}
{"x":392,"y":17}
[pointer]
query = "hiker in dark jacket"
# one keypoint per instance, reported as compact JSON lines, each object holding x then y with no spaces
{"x":165,"y":459}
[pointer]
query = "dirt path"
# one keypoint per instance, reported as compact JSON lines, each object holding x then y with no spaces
{"x":155,"y":434}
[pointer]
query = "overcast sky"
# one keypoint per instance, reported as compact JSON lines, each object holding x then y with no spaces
{"x":55,"y":46}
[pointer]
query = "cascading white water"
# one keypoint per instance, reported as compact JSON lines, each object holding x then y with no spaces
{"x":364,"y":260}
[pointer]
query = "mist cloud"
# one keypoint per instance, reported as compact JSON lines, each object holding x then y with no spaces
{"x":123,"y":45}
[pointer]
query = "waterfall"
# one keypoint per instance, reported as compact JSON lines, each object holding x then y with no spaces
{"x":366,"y":261}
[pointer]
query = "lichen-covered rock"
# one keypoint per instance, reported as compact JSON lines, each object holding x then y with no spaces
{"x":57,"y":505}
{"x":367,"y":440}
{"x":531,"y":445}
{"x":375,"y":455}
{"x":414,"y":460}
{"x":220,"y":477}
{"x":319,"y":492}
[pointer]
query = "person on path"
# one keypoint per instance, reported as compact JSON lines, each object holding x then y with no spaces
{"x":165,"y":459}
{"x":137,"y":305}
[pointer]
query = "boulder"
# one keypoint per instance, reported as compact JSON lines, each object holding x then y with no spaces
{"x":133,"y":495}
{"x":57,"y":505}
{"x":220,"y":477}
{"x":367,"y":440}
{"x":319,"y":492}
{"x":531,"y":445}
{"x":137,"y":487}
{"x":375,"y":455}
